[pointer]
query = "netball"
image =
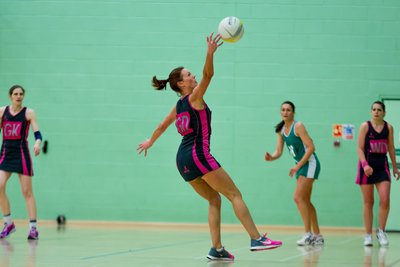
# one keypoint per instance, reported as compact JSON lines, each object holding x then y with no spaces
{"x":231,"y":29}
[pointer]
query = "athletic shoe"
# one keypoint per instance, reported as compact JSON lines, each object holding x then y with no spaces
{"x":223,"y":255}
{"x":33,"y":234}
{"x":368,"y":240}
{"x":264,"y":243}
{"x":306,"y":240}
{"x":318,"y":240}
{"x":7,"y":230}
{"x":382,"y":238}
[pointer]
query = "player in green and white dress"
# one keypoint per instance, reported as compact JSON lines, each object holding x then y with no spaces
{"x":307,"y":169}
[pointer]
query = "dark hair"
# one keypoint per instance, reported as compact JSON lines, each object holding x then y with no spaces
{"x":279,"y":126}
{"x":174,"y":77}
{"x":379,"y":103}
{"x":10,"y":92}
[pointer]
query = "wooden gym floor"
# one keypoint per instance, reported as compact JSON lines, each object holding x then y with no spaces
{"x":161,"y":245}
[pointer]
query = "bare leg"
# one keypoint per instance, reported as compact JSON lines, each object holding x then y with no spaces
{"x":220,"y":181}
{"x":214,"y":209}
{"x":314,"y":220}
{"x":368,"y":201}
{"x":4,"y":203}
{"x":302,"y":197}
{"x":26,"y":187}
{"x":384,"y":202}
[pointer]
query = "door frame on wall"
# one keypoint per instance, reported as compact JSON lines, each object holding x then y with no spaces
{"x":392,"y":104}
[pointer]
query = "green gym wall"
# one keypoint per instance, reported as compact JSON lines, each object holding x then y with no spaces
{"x":87,"y":68}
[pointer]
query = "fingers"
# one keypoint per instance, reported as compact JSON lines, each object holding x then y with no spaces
{"x":214,"y":40}
{"x":36,"y":150}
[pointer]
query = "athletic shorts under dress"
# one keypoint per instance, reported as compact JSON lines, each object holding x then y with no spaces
{"x":375,"y":151}
{"x":297,"y":149}
{"x":14,"y":155}
{"x":193,"y":158}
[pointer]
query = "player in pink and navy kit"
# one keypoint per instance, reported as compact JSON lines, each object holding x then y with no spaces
{"x":375,"y":140}
{"x":193,"y":158}
{"x":195,"y":163}
{"x":15,"y":158}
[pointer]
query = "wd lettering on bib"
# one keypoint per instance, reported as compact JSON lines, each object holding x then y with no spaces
{"x":378,"y":146}
{"x":182,"y":123}
{"x":12,"y":130}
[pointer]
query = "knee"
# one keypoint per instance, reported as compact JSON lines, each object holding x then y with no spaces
{"x":27,"y":193}
{"x":2,"y":188}
{"x":234,"y":195}
{"x":369,"y":203}
{"x":298,"y":199}
{"x":385,"y":203}
{"x":215,"y":200}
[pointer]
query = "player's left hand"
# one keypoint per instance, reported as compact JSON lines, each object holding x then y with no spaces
{"x":396,"y":174}
{"x":293,"y":171}
{"x":36,"y":149}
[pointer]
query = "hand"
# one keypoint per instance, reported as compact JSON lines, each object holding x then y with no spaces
{"x":396,"y":173}
{"x":36,"y":148}
{"x":368,"y":170}
{"x":268,"y":157}
{"x":143,"y":147}
{"x":213,"y":42}
{"x":293,"y":171}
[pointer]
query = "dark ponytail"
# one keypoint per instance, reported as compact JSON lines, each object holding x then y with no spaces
{"x":280,"y":125}
{"x":159,"y":84}
{"x":173,"y":79}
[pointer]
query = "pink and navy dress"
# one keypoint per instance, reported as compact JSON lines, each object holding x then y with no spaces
{"x":375,"y":150}
{"x":14,"y":155}
{"x":193,"y":158}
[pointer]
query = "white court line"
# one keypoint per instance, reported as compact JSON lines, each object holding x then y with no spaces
{"x":302,"y":254}
{"x":348,"y":240}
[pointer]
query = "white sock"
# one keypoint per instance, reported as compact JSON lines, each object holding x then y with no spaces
{"x":7,"y":219}
{"x":32,"y":224}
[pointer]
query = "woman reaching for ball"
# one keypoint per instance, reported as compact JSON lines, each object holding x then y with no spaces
{"x":307,"y":168}
{"x":196,"y":165}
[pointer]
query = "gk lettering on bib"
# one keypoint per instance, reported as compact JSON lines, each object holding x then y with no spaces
{"x":12,"y":130}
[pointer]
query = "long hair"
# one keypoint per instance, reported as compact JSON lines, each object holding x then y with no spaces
{"x":174,"y":77}
{"x":279,"y":126}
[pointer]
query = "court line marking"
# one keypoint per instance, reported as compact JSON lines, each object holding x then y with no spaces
{"x":140,"y":249}
{"x":314,"y":249}
{"x":150,"y":248}
{"x":393,"y":263}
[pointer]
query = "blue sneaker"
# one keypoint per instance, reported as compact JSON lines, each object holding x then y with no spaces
{"x":264,"y":243}
{"x":224,"y":255}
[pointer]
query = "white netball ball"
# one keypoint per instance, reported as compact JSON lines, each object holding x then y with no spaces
{"x":231,"y":29}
